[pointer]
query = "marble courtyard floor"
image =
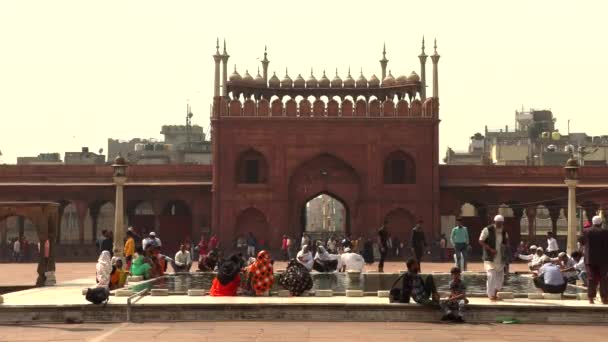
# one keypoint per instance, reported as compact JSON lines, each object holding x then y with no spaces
{"x":300,"y":332}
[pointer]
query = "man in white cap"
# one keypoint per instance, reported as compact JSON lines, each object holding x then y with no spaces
{"x":494,"y":240}
{"x":151,"y":241}
{"x":351,"y":261}
{"x":595,"y":243}
{"x":534,"y":258}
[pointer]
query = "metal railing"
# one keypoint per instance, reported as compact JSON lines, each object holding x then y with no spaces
{"x":138,"y":295}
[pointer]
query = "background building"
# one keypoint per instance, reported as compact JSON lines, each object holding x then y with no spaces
{"x":534,"y":141}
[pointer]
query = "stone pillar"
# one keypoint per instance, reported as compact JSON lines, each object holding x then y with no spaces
{"x":422,"y":58}
{"x":81,"y":211}
{"x":119,"y":215}
{"x":531,"y":215}
{"x":554,"y":214}
{"x":435,"y":58}
{"x":216,"y":79}
{"x":94,"y":211}
{"x":571,"y":241}
{"x":20,"y":226}
{"x":225,"y":57}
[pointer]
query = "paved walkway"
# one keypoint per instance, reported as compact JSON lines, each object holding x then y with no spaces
{"x":25,"y":274}
{"x":300,"y":331}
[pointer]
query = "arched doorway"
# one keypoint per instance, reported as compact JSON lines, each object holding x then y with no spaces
{"x":324,"y":174}
{"x":254,"y":221}
{"x":325,"y":215}
{"x":399,"y":224}
{"x":175,"y":226}
{"x":20,"y":228}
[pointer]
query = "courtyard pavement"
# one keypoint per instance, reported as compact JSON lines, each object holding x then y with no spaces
{"x":25,"y":273}
{"x":300,"y":331}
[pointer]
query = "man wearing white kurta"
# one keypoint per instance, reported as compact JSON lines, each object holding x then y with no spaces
{"x":494,"y":239}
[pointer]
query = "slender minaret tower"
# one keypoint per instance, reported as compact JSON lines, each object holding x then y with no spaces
{"x":435,"y":59}
{"x":225,"y":57}
{"x":265,"y":63}
{"x":383,"y":62}
{"x":423,"y":58}
{"x":216,"y":81}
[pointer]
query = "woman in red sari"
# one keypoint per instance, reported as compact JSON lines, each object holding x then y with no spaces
{"x":227,"y":281}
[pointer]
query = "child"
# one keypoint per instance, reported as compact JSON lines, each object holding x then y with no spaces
{"x":457,"y":299}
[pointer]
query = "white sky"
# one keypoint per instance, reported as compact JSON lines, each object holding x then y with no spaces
{"x":74,"y":73}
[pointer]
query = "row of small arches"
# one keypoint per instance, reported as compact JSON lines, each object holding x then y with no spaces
{"x":333,"y":108}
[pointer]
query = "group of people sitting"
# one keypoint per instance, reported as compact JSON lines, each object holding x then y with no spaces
{"x":553,"y":274}
{"x":323,"y":261}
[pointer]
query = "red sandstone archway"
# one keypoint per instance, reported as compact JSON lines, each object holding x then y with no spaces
{"x":399,"y":223}
{"x":253,"y":220}
{"x":324,"y":174}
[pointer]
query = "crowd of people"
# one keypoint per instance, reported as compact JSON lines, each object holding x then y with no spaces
{"x":250,"y":271}
{"x":21,"y":250}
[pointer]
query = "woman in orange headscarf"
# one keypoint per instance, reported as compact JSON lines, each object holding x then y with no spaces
{"x":261,"y":273}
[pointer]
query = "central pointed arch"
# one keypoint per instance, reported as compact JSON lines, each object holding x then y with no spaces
{"x":324,"y":174}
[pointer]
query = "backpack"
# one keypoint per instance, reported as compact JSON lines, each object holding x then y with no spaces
{"x":98,"y":295}
{"x":396,"y":294}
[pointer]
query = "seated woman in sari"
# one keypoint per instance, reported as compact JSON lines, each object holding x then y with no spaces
{"x":207,"y":263}
{"x":296,"y":278}
{"x":260,"y":274}
{"x":305,"y":258}
{"x":118,"y":275}
{"x":227,"y":281}
{"x":140,"y":268}
{"x":326,"y":262}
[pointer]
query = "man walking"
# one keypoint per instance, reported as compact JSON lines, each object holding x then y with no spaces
{"x":251,"y":243}
{"x":494,"y":240}
{"x":382,"y":245}
{"x":595,"y":243}
{"x":418,"y":243}
{"x":460,"y":241}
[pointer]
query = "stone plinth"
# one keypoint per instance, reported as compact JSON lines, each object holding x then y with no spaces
{"x":354,"y":293}
{"x":554,"y":296}
{"x":324,"y":293}
{"x":505,"y":295}
{"x":535,"y":295}
{"x":134,"y":279}
{"x":283,"y":293}
{"x":582,"y":296}
{"x":196,"y":292}
{"x":384,"y":294}
{"x":159,"y":292}
{"x":1,"y":299}
{"x":123,"y":293}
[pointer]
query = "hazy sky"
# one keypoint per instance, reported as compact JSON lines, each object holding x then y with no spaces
{"x":74,"y":73}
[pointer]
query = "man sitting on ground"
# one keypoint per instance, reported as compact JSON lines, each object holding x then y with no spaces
{"x":183,"y":260}
{"x":550,"y":278}
{"x":579,"y":266}
{"x":423,"y":291}
{"x":351,"y":261}
{"x":534,"y":258}
{"x":567,"y":264}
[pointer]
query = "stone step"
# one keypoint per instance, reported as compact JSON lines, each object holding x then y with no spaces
{"x":554,"y":296}
{"x":196,"y":292}
{"x":283,"y":293}
{"x":159,"y":292}
{"x":123,"y":293}
{"x":1,"y":299}
{"x":535,"y":295}
{"x":324,"y":293}
{"x":354,"y":293}
{"x":134,"y":279}
{"x":505,"y":295}
{"x":384,"y":294}
{"x":582,"y":296}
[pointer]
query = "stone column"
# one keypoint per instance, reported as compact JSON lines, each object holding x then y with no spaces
{"x":531,"y":215}
{"x":119,"y":225}
{"x":571,"y":241}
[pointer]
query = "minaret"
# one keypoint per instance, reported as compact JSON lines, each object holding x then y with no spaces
{"x":216,"y":81}
{"x":423,"y":58}
{"x":435,"y":59}
{"x":225,"y":57}
{"x":265,"y":63}
{"x":383,"y":62}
